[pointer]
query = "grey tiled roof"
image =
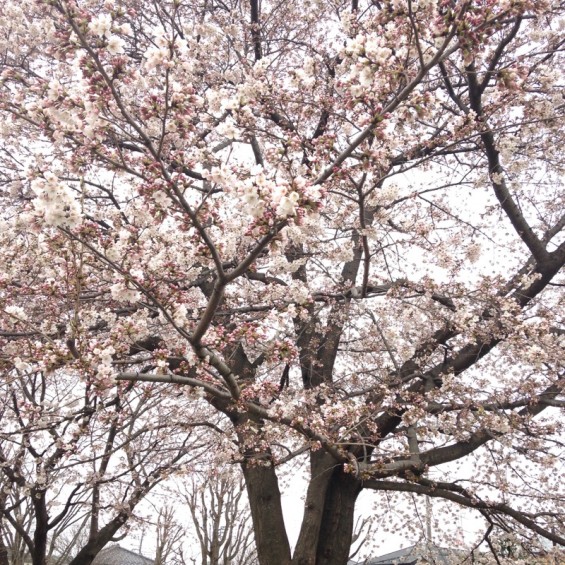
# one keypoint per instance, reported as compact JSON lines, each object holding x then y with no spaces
{"x":413,"y":555}
{"x":116,"y":555}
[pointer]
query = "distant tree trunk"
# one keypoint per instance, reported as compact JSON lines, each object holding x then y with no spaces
{"x":221,"y":519}
{"x":169,"y":533}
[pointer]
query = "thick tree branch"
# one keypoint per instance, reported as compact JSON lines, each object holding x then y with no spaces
{"x":455,"y":493}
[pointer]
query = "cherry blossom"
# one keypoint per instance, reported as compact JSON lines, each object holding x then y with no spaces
{"x":331,"y":237}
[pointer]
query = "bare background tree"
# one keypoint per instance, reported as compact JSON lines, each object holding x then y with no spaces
{"x":220,"y":515}
{"x":170,"y":535}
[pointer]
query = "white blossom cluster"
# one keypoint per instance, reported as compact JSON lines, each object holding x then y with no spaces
{"x":55,"y":201}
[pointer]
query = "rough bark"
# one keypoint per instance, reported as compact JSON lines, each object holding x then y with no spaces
{"x":338,"y":519}
{"x":3,"y":553}
{"x":95,"y":544}
{"x":41,"y":529}
{"x":329,"y":510}
{"x":266,"y":511}
{"x":321,"y":465}
{"x":3,"y":548}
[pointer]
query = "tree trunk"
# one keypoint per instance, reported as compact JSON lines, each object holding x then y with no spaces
{"x":3,"y":548}
{"x":41,"y":528}
{"x":87,"y":554}
{"x":336,"y":529}
{"x":266,"y":512}
{"x":321,"y":467}
{"x":329,"y":511}
{"x":3,"y":553}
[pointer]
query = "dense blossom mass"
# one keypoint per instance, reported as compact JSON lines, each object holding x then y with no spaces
{"x":262,"y":233}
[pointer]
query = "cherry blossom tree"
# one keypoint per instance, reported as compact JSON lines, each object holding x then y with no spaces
{"x":80,"y":467}
{"x":337,"y":229}
{"x":17,"y":517}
